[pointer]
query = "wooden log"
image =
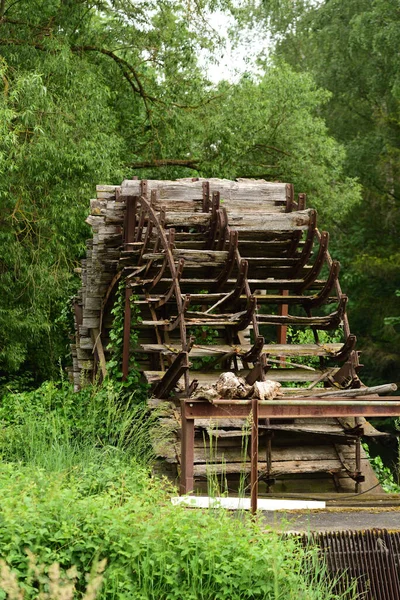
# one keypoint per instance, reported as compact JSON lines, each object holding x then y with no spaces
{"x":95,"y":222}
{"x":186,"y":219}
{"x":281,"y":222}
{"x":216,"y":257}
{"x":277,"y":468}
{"x":363,"y":391}
{"x":96,"y":206}
{"x":236,"y":454}
{"x":197,"y":284}
{"x":280,"y":375}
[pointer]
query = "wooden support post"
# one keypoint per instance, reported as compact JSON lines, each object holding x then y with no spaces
{"x":283,"y":311}
{"x":130,"y":220}
{"x":289,"y":197}
{"x":254,"y":456}
{"x":187,"y":452}
{"x":127,"y":333}
{"x":206,"y":197}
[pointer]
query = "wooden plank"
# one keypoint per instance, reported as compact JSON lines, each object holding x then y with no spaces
{"x":239,"y":191}
{"x":281,"y":375}
{"x":277,"y":468}
{"x":186,"y":219}
{"x":269,"y":283}
{"x":283,"y":222}
{"x":216,"y":257}
{"x":299,"y":454}
{"x":295,"y":350}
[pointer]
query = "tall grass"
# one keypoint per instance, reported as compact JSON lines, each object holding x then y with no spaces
{"x":76,"y":489}
{"x":56,"y":429}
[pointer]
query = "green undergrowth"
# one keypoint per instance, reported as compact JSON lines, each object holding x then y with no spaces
{"x":77,"y":488}
{"x":115,"y":510}
{"x":54,"y":428}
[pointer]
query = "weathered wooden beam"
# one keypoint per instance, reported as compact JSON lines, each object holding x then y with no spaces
{"x":363,"y":391}
{"x":172,"y":376}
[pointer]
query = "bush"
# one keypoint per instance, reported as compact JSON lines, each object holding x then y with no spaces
{"x":154,"y":550}
{"x":76,"y":491}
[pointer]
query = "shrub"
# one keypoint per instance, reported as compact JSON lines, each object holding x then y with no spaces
{"x":154,"y":550}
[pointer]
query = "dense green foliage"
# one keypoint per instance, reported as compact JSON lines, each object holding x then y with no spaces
{"x":351,"y":49}
{"x":94,"y":92}
{"x":76,"y":488}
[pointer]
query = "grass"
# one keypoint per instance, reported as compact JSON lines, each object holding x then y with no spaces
{"x":76,"y":489}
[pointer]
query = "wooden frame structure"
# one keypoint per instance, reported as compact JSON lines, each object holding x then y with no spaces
{"x":219,"y":270}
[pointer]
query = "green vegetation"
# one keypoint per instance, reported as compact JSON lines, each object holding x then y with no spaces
{"x":95,"y":92}
{"x":350,"y":49}
{"x":76,"y":489}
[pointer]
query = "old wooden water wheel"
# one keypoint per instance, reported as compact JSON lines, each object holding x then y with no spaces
{"x":219,"y":271}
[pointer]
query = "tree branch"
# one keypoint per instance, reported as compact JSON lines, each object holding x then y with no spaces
{"x":16,"y":42}
{"x":274,"y":148}
{"x":166,"y":162}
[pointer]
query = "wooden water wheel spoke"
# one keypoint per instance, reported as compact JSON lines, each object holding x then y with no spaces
{"x":312,"y":275}
{"x":306,"y":250}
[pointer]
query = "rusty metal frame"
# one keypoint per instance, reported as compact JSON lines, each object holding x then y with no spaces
{"x":247,"y":316}
{"x":166,"y":297}
{"x":158,"y":277}
{"x":215,"y":204}
{"x":222,"y":224}
{"x":305,"y":254}
{"x":230,"y":262}
{"x":314,"y":407}
{"x":318,"y":299}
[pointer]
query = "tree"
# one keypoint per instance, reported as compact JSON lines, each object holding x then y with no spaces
{"x":95,"y":92}
{"x":83,"y":86}
{"x":351,"y":49}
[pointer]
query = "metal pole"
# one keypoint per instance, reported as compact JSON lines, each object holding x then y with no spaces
{"x":283,"y":311}
{"x":254,"y":456}
{"x":187,"y":452}
{"x":309,"y":404}
{"x":358,"y":458}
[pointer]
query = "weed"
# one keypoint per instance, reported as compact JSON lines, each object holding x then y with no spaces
{"x":76,"y":489}
{"x":55,"y":428}
{"x":53,"y":585}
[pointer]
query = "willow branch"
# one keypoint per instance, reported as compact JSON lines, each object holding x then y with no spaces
{"x":274,"y":148}
{"x":166,"y":162}
{"x":17,"y":42}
